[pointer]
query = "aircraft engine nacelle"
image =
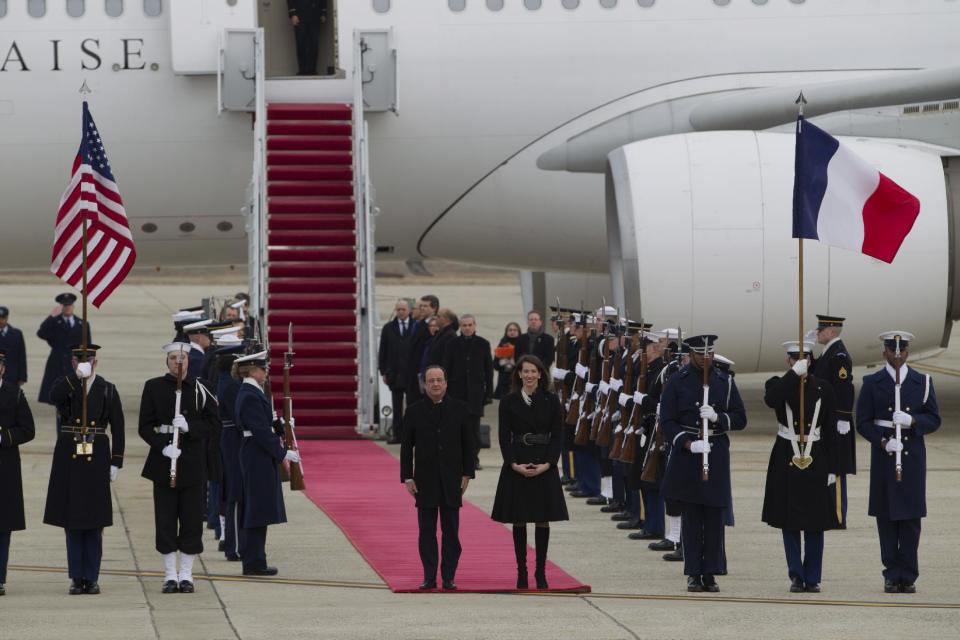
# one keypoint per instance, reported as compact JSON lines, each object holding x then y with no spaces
{"x":699,"y":228}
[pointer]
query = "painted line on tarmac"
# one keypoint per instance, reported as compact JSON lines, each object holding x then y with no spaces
{"x":602,"y":596}
{"x":936,"y":369}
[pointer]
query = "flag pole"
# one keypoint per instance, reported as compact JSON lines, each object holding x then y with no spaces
{"x":85,"y":333}
{"x":802,"y":437}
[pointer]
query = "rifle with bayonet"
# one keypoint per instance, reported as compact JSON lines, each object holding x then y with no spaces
{"x":654,"y":454}
{"x":605,"y":433}
{"x":561,"y":357}
{"x":289,"y":437}
{"x":628,"y":454}
{"x":603,"y":388}
{"x":580,"y":382}
{"x":616,"y":448}
{"x":587,"y":405}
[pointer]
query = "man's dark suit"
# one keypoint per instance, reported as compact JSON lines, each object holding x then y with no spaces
{"x":394,"y":363}
{"x":437,"y":452}
{"x":11,"y":340}
{"x":540,"y":344}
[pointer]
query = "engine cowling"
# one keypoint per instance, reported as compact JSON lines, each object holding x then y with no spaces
{"x":699,"y":228}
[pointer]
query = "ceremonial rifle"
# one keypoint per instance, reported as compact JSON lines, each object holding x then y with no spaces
{"x":176,"y":411}
{"x":561,"y":359}
{"x":289,"y":437}
{"x":582,"y":431}
{"x":603,"y":389}
{"x":896,"y":407}
{"x":704,"y":423}
{"x":579,"y":384}
{"x":629,"y":453}
{"x":628,"y":387}
{"x":651,"y":460}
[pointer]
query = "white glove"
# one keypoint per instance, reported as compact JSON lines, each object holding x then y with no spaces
{"x":560,"y":374}
{"x":709,"y":413}
{"x":800,"y":367}
{"x":604,"y":387}
{"x":292,"y":456}
{"x":638,"y":397}
{"x":843,"y":427}
{"x":180,"y":422}
{"x":589,"y":388}
{"x":275,"y":417}
{"x":582,"y":370}
{"x":624,"y":399}
{"x":894,"y":445}
{"x":699,"y":446}
{"x":171,"y":452}
{"x":114,"y":472}
{"x":810,"y":336}
{"x":831,"y":478}
{"x":84,"y":370}
{"x":616,"y":384}
{"x":293,"y":422}
{"x":902,"y":418}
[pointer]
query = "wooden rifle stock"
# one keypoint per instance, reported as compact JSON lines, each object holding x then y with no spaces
{"x":289,"y":438}
{"x":573,"y":413}
{"x":176,"y":432}
{"x":582,"y":433}
{"x":628,"y":387}
{"x":600,"y":404}
{"x":605,"y":433}
{"x":629,"y":453}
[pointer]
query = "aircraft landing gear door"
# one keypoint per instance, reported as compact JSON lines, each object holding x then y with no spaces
{"x":281,"y":42}
{"x":378,"y":54}
{"x":237,"y":76}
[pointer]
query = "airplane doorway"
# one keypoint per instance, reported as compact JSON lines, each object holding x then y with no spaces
{"x":281,"y":47}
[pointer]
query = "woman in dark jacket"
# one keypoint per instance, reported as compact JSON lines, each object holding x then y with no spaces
{"x":505,"y":365}
{"x":531,"y":425}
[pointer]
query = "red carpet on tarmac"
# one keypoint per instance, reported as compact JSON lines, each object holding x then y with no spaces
{"x":357,"y":484}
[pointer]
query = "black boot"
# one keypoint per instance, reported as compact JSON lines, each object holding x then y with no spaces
{"x":542,"y":539}
{"x":520,"y":548}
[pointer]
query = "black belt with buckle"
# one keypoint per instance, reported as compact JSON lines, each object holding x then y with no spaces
{"x":91,"y":431}
{"x":534,"y":439}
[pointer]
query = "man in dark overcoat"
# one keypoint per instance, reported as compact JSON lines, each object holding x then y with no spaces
{"x":682,"y":412}
{"x":436,"y":465}
{"x":307,"y":18}
{"x":16,"y":428}
{"x":895,"y":422}
{"x":536,"y":341}
{"x":178,"y":510}
{"x":61,"y":330}
{"x":393,"y":360}
{"x":11,"y":341}
{"x":85,"y":461}
{"x":802,"y":473}
{"x":469,"y":364}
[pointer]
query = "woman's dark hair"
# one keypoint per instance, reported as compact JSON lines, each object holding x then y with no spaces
{"x":512,"y":324}
{"x":516,"y":381}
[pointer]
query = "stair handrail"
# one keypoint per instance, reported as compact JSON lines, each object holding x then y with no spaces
{"x":366,"y":302}
{"x":257,"y":224}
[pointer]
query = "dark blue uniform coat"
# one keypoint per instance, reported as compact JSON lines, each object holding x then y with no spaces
{"x":231,"y":437}
{"x":680,"y":421}
{"x":16,"y":428}
{"x":12,"y":342}
{"x":835,"y":368}
{"x":890,"y":499}
{"x":260,"y":457}
{"x":60,"y":336}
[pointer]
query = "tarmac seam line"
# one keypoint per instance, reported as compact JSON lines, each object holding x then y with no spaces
{"x":611,"y":618}
{"x":223,"y":606}
{"x":136,"y":561}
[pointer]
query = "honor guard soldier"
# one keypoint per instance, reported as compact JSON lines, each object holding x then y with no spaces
{"x":11,"y":342}
{"x":698,"y":469}
{"x":176,"y":462}
{"x":802,"y":467}
{"x":184,"y":317}
{"x":61,"y":330}
{"x":85,"y":462}
{"x":198,"y":333}
{"x":307,"y":18}
{"x":16,"y":428}
{"x":835,"y":367}
{"x":261,"y":455}
{"x":897,"y":407}
{"x":229,"y":348}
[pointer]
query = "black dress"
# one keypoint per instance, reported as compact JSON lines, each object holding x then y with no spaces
{"x":538,"y":499}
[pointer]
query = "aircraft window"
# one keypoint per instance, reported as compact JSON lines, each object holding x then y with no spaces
{"x":570,"y":4}
{"x":759,"y":2}
{"x":114,"y":8}
{"x":75,"y":8}
{"x":3,"y":8}
{"x":645,"y":3}
{"x":36,"y":8}
{"x":152,"y":7}
{"x":532,"y":5}
{"x":457,"y":5}
{"x":721,"y":3}
{"x":798,"y":1}
{"x":608,"y":4}
{"x":494,"y":5}
{"x":381,"y":6}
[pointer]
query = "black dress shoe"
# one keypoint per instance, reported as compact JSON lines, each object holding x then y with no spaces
{"x":630,"y":524}
{"x":694,"y":584}
{"x":596,"y":501}
{"x":643,"y":535}
{"x":663,"y":545}
{"x":267,"y":571}
{"x":170,"y":586}
{"x":426,"y":585}
{"x":76,"y":587}
{"x":449,"y":585}
{"x":674,"y":556}
{"x":908,"y":587}
{"x":812,"y":588}
{"x":796,"y":585}
{"x":576,"y":493}
{"x":573,"y":486}
{"x":232,"y":557}
{"x":92,"y":588}
{"x":710,"y":584}
{"x":222,"y":545}
{"x":186,"y":586}
{"x":612,"y":507}
{"x":393,"y":441}
{"x":3,"y":590}
{"x":565,"y":480}
{"x":889,"y":586}
{"x":623,"y":516}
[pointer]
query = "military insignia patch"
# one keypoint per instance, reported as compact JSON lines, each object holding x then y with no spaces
{"x":843,"y":373}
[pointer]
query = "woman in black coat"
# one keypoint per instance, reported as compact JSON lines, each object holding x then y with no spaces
{"x":531,"y":427}
{"x":505,"y":366}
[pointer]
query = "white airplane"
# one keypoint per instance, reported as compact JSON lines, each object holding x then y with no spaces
{"x":646,"y":139}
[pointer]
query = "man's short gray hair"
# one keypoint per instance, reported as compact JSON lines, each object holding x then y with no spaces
{"x":468,"y":316}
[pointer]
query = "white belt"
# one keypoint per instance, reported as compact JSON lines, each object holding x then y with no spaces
{"x":788,"y":434}
{"x":164,"y":428}
{"x":248,"y":434}
{"x":889,"y":424}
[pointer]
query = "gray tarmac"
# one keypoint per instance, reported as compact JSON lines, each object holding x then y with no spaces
{"x":326,"y":590}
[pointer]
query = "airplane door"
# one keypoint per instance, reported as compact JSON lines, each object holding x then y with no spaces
{"x":280,"y":42}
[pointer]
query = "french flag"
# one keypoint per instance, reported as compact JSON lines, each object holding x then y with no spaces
{"x":842,"y":201}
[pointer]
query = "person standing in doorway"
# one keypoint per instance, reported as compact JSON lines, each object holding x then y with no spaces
{"x":307,"y":18}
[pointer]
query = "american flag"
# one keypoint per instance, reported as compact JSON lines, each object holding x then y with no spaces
{"x":92,"y":195}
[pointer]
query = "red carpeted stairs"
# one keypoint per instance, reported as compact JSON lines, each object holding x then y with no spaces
{"x":312,"y":274}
